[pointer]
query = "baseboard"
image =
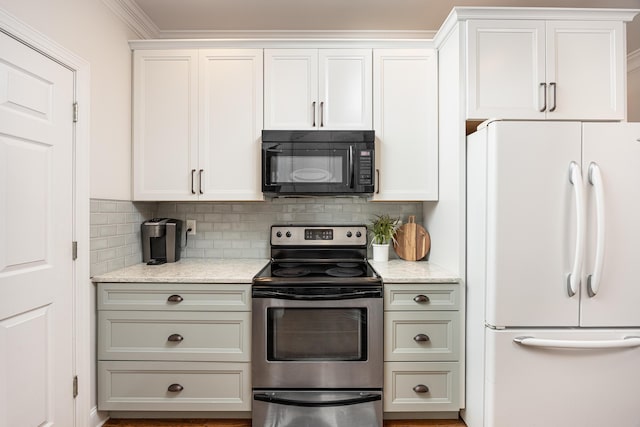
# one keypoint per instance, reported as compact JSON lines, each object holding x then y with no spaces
{"x":97,"y":418}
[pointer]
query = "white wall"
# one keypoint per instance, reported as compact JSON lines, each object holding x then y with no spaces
{"x":90,"y":30}
{"x":633,"y":87}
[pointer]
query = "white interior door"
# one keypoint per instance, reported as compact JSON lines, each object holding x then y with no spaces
{"x":36,"y":220}
{"x":615,"y":149}
{"x":531,"y":223}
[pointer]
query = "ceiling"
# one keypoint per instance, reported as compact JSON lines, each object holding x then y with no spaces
{"x":416,"y":18}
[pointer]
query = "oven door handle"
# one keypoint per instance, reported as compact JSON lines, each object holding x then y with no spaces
{"x":324,"y":297}
{"x":272,"y":398}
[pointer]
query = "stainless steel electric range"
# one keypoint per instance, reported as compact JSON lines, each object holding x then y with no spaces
{"x":317,"y":357}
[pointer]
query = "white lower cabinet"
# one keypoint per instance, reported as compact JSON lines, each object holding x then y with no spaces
{"x":422,"y":348}
{"x":174,"y":347}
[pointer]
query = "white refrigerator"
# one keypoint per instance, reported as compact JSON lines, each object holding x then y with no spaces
{"x":553,"y":275}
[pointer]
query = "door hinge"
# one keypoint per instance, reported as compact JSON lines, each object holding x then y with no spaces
{"x":75,"y":386}
{"x":75,"y":112}
{"x":74,"y":250}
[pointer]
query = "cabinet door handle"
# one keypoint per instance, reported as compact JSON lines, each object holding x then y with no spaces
{"x":544,"y":91}
{"x":175,"y":298}
{"x":421,"y":338}
{"x":421,"y":388}
{"x":200,"y":181}
{"x":193,"y":171}
{"x":378,"y":181}
{"x":322,"y":114}
{"x":313,"y":104}
{"x":174,"y":388}
{"x":552,"y":86}
{"x":175,"y":338}
{"x":420,"y":299}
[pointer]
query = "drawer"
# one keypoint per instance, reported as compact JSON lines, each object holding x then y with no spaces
{"x":155,"y":335}
{"x":145,"y":386}
{"x":403,"y":391}
{"x":439,"y":331}
{"x":174,"y":296}
{"x":422,"y":297}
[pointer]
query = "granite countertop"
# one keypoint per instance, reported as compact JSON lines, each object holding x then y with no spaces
{"x":191,"y":270}
{"x":400,"y":271}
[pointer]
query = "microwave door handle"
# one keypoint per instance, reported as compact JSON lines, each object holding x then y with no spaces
{"x":273,"y":398}
{"x":350,"y":171}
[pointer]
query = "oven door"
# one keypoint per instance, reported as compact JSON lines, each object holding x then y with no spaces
{"x":327,"y":408}
{"x":317,"y":337}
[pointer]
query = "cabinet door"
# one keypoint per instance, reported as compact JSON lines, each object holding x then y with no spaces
{"x":585,"y":65}
{"x":165,"y":124}
{"x":505,"y":69}
{"x":615,"y":149}
{"x":344,"y":89}
{"x":230,"y":124}
{"x":406,"y":124}
{"x":291,"y":88}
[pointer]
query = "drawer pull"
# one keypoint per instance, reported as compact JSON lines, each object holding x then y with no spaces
{"x":421,"y":388}
{"x":175,"y":338}
{"x":421,"y":298}
{"x":421,"y":338}
{"x":175,"y":298}
{"x":174,"y":388}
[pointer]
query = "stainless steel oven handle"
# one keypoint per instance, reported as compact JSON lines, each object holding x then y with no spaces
{"x":273,"y":398}
{"x":323,"y":297}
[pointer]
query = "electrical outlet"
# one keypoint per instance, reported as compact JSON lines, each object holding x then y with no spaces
{"x":191,"y":224}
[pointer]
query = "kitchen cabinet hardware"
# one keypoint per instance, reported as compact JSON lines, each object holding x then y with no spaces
{"x":174,"y":388}
{"x":200,"y":181}
{"x":313,"y":104}
{"x":421,"y":338}
{"x":193,"y":171}
{"x":377,"y":185}
{"x":552,"y":85}
{"x":420,"y":299}
{"x":322,"y":114}
{"x":544,"y":94}
{"x":175,"y":338}
{"x":421,"y":388}
{"x":175,"y":298}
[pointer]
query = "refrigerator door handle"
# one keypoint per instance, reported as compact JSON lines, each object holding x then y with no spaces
{"x":625,"y":342}
{"x":575,"y":178}
{"x":593,"y":279}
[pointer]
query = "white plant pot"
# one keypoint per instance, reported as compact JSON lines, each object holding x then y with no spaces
{"x":380,"y":252}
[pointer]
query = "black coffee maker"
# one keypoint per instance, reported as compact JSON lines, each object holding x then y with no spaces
{"x":161,"y":239}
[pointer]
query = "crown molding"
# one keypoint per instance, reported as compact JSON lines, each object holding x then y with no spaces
{"x":633,"y":61}
{"x":295,"y":34}
{"x":131,"y":14}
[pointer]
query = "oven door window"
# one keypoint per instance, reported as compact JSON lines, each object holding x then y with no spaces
{"x":307,"y":334}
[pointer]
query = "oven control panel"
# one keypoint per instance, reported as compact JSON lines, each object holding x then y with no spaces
{"x":342,"y":235}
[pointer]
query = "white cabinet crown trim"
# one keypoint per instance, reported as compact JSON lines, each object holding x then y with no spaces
{"x":282,"y":43}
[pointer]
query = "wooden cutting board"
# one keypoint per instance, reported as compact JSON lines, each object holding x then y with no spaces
{"x":412,"y":241}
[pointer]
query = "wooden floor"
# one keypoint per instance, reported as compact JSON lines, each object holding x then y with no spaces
{"x":247,"y":423}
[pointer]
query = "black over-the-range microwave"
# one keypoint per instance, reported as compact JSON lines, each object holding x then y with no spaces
{"x":318,"y":162}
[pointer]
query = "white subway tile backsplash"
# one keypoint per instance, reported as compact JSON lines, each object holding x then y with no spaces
{"x":224,"y":229}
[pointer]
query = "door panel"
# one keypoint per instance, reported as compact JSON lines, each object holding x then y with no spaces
{"x":531,"y":223}
{"x":36,"y":219}
{"x":615,"y":149}
{"x":581,"y":60}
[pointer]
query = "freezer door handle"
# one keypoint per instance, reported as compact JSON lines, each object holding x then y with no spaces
{"x":593,"y":279}
{"x":575,"y":178}
{"x":626,"y":342}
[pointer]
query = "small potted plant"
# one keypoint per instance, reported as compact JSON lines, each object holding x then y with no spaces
{"x":382,"y":230}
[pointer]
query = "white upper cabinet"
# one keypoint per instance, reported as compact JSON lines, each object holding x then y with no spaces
{"x":545,"y":69}
{"x":197,"y":118}
{"x":406,"y":124}
{"x":165,"y":124}
{"x":230,"y":124}
{"x":318,"y":89}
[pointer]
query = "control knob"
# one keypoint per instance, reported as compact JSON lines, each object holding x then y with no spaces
{"x":349,"y":234}
{"x":358,"y":234}
{"x":279,"y":234}
{"x":288,"y":234}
